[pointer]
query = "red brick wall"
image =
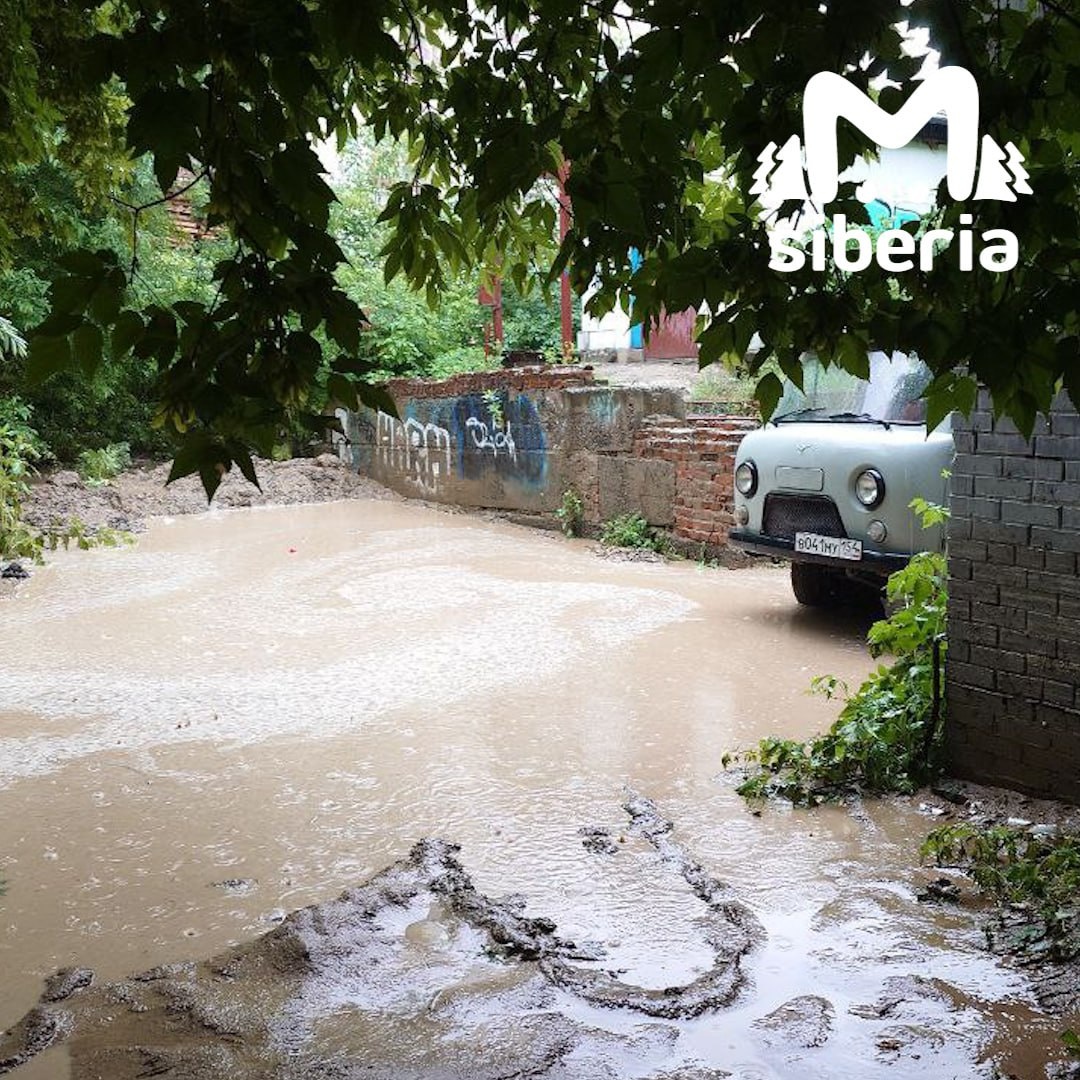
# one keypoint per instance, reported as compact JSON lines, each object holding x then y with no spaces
{"x":477,"y":382}
{"x":702,"y":449}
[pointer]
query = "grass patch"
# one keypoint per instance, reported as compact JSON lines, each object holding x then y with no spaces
{"x":719,"y":387}
{"x":632,"y":531}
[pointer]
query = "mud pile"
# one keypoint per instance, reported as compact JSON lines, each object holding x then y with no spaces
{"x":127,"y":500}
{"x":415,"y":974}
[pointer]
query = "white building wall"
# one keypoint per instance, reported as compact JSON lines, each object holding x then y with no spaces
{"x":610,"y":332}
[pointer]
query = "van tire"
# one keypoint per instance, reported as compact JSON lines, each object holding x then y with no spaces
{"x":816,"y":586}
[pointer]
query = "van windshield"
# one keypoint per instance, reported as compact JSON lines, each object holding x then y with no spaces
{"x":891,"y":395}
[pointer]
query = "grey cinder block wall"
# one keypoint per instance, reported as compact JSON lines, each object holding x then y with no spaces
{"x":1013,"y":682}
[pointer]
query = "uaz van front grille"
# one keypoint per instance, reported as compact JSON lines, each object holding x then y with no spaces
{"x":786,"y":515}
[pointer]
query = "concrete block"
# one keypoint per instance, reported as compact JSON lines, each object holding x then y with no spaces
{"x":972,"y":550}
{"x":976,"y":465}
{"x":1061,"y":562}
{"x":999,"y":532}
{"x":962,"y":506}
{"x":1010,"y":576}
{"x":1032,"y":468}
{"x":1065,"y":423}
{"x":995,"y":487}
{"x":1055,"y":539}
{"x":1057,"y":492}
{"x":997,"y":442}
{"x":1016,"y":685}
{"x":1030,"y":558}
{"x":965,"y":674}
{"x":1002,"y":554}
{"x":1023,"y":599}
{"x":637,"y":485}
{"x":994,"y":613}
{"x":1066,"y":447}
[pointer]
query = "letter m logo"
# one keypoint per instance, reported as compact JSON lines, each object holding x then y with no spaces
{"x":828,"y":97}
{"x":949,"y":89}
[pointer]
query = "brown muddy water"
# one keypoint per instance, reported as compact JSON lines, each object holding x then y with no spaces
{"x":253,"y":710}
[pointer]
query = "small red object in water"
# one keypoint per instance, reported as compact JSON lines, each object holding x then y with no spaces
{"x":292,"y":551}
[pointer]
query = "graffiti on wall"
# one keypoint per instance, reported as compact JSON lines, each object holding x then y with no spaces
{"x":471,"y":436}
{"x":419,"y":451}
{"x":496,"y":441}
{"x":505,"y":437}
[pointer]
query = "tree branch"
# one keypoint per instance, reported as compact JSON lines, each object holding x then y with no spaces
{"x":1058,"y":10}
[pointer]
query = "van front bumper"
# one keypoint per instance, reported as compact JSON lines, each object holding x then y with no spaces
{"x":883,"y":563}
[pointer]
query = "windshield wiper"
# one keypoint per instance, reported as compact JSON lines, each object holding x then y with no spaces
{"x":859,"y":418}
{"x":796,"y":414}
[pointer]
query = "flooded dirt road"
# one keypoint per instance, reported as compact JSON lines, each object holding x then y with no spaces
{"x":251,"y":711}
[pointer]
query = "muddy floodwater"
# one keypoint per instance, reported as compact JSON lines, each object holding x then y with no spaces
{"x":251,"y":711}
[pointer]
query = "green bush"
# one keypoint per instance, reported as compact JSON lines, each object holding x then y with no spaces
{"x":408,"y":336}
{"x":73,"y":412}
{"x":100,"y":466}
{"x":18,"y":452}
{"x":888,"y":736}
{"x":461,"y":359}
{"x":631,"y":531}
{"x":571,"y":513}
{"x":533,"y":321}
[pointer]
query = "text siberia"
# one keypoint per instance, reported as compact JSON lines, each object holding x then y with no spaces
{"x":853,"y":249}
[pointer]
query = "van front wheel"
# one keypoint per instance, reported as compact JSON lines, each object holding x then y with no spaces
{"x":816,"y":586}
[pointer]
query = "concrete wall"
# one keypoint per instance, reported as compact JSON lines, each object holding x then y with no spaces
{"x":1014,"y":603}
{"x":513,"y":440}
{"x":518,"y":439}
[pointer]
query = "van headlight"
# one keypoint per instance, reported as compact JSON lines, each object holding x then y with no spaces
{"x":746,"y":479}
{"x":870,"y":488}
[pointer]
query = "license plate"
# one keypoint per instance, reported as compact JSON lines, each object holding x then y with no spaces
{"x":830,"y":546}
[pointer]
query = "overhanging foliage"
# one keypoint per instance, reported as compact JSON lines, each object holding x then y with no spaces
{"x":646,"y":100}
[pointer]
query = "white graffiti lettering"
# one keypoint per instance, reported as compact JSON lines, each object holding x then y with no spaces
{"x":495,"y":440}
{"x":420,"y":451}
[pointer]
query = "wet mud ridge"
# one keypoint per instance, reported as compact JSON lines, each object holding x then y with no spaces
{"x":730,"y":929}
{"x":415,"y":974}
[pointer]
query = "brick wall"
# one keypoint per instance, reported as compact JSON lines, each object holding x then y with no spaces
{"x":479,"y":382}
{"x":702,"y":449}
{"x":1014,"y":603}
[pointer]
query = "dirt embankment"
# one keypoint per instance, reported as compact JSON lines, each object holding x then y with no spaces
{"x":139,"y":493}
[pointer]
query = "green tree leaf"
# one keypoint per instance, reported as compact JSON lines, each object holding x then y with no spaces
{"x":768,"y":393}
{"x":47,"y":356}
